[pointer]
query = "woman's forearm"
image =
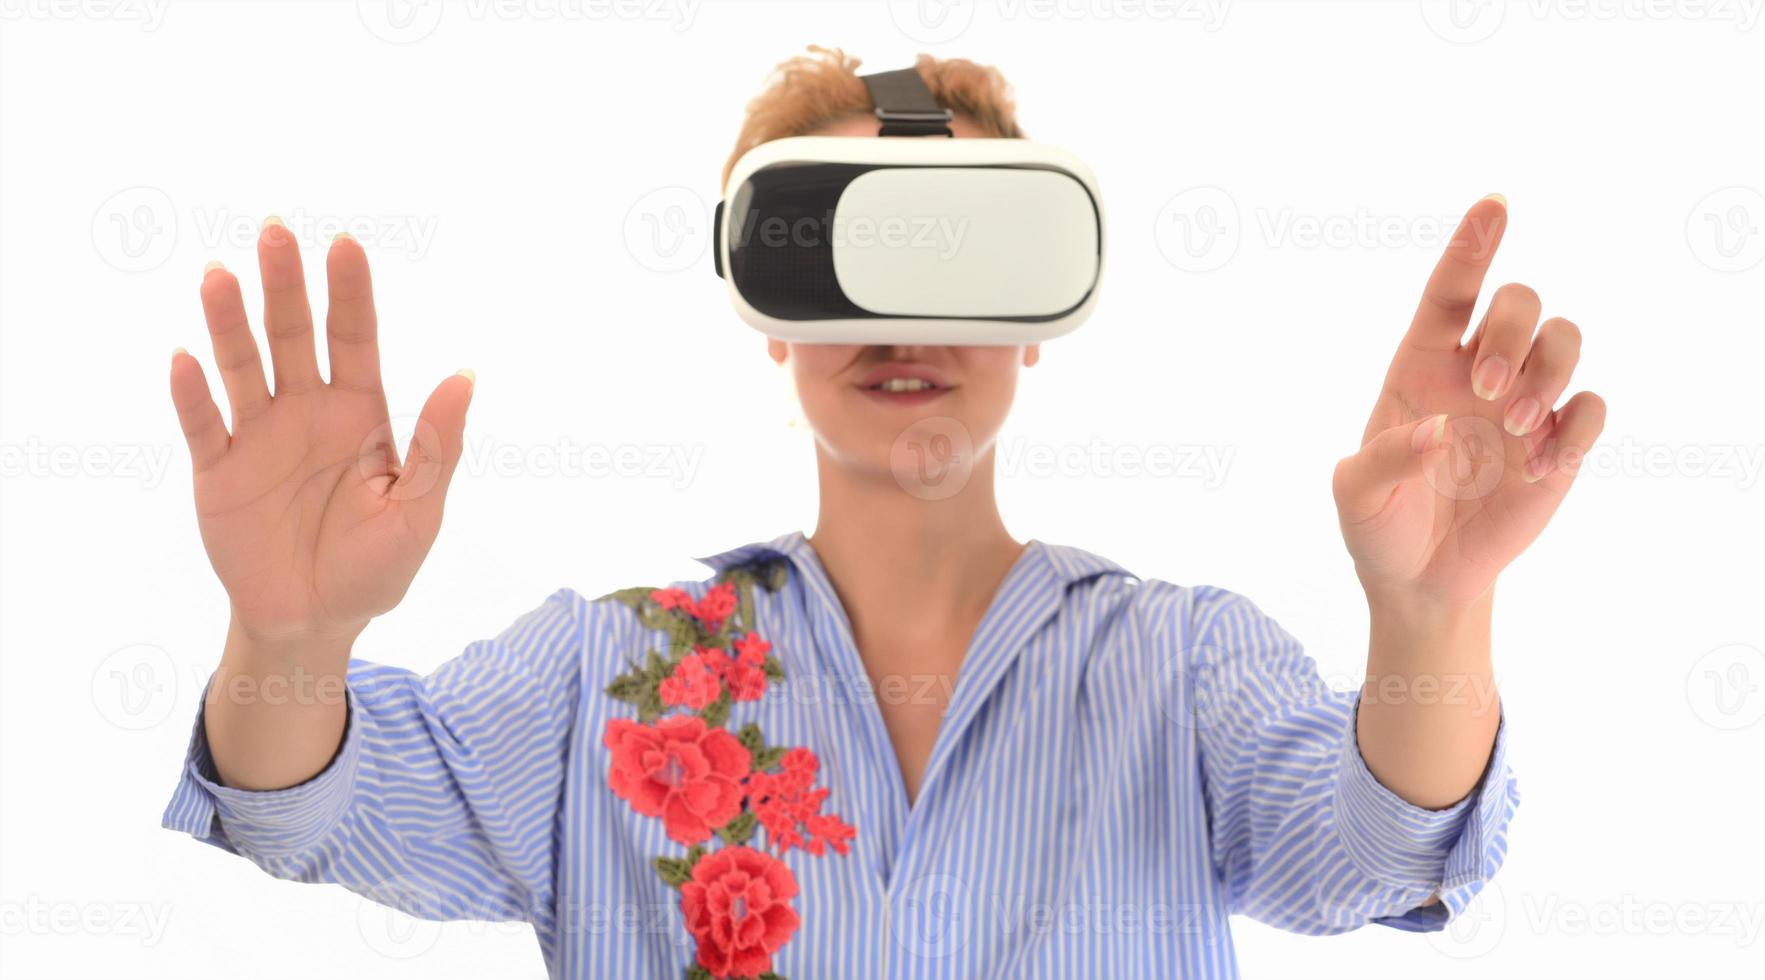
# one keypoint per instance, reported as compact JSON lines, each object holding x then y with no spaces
{"x":1429,"y":708}
{"x":277,"y":707}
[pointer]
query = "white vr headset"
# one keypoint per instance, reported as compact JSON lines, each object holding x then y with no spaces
{"x":892,"y":240}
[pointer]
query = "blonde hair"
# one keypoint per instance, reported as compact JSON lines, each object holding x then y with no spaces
{"x":812,"y":90}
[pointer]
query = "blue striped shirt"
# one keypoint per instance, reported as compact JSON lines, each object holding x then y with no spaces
{"x":1123,"y":764}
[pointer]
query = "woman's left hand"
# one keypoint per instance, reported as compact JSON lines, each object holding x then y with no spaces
{"x":1463,"y":461}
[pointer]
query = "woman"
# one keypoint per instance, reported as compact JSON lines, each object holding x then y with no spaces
{"x":906,"y":745}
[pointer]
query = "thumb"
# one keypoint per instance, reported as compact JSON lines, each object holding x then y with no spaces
{"x":1365,"y":481}
{"x":434,"y":452}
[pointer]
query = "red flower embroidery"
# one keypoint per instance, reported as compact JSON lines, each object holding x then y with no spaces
{"x":737,"y":906}
{"x":745,"y":673}
{"x":715,"y":607}
{"x":701,"y":780}
{"x":681,"y":771}
{"x":695,"y":682}
{"x":672,"y":599}
{"x":788,"y":805}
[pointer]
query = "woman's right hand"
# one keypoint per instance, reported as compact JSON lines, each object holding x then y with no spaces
{"x":311,"y":520}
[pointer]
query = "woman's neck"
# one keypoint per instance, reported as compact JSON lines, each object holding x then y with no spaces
{"x":896,"y":557}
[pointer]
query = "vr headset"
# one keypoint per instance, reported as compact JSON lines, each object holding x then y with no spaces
{"x":909,"y":238}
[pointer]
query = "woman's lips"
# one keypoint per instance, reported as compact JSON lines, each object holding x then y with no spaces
{"x":903,"y":384}
{"x":909,"y":397}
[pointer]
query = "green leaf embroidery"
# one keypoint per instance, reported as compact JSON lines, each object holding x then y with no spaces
{"x":751,"y":738}
{"x":650,"y":706}
{"x":674,"y":871}
{"x":717,"y":712}
{"x":627,"y":687}
{"x":634,"y":597}
{"x":740,"y":830}
{"x":678,"y":871}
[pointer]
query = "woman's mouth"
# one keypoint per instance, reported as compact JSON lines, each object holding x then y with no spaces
{"x":902,"y":385}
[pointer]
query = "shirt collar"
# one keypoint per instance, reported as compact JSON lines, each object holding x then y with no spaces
{"x":1068,"y":564}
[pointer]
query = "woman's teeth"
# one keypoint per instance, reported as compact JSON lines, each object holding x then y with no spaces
{"x":904,"y":384}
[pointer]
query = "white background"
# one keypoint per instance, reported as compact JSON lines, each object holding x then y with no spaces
{"x":531,"y":181}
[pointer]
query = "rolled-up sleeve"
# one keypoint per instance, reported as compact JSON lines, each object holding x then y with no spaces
{"x":275,"y":824}
{"x":443,"y":797}
{"x":1304,"y":836}
{"x":1449,"y":852}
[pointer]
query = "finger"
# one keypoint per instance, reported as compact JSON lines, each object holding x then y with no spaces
{"x":1555,"y":352}
{"x":1503,"y":340}
{"x":1451,"y":293}
{"x":1365,"y":481}
{"x":1571,"y":433}
{"x":350,"y":326}
{"x":198,"y":415}
{"x":235,"y":352}
{"x":288,"y":320}
{"x":434,"y":453}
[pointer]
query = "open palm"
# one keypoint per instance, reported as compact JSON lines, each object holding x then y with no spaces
{"x":1463,"y":461}
{"x":310,"y":518}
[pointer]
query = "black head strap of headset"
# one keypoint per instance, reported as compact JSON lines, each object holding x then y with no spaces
{"x":905,"y":105}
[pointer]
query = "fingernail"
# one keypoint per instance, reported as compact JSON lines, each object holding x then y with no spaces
{"x":1539,"y":465}
{"x":1494,"y":196}
{"x":342,"y":236}
{"x":1490,"y":378}
{"x":212,"y":266}
{"x":1522,"y":416}
{"x":1428,"y":437}
{"x":273,"y":220}
{"x":470,"y":375}
{"x":178,"y":350}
